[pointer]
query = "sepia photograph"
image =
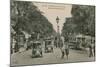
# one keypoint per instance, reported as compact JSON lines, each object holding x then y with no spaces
{"x":51,"y":33}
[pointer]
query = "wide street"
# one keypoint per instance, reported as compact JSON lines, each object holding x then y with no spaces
{"x":24,"y":58}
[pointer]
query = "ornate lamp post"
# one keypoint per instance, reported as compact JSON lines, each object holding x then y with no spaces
{"x":57,"y":20}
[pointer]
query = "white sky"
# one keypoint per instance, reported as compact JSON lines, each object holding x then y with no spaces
{"x":51,"y":11}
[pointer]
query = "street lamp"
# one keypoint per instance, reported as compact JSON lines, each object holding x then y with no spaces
{"x":57,"y":20}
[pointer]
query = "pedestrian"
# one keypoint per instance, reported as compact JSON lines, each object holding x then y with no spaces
{"x":90,"y":51}
{"x":11,"y":49}
{"x":65,"y":50}
{"x":13,"y":45}
{"x":16,"y":47}
{"x":94,"y":50}
{"x":93,"y":47}
{"x":26,"y":45}
{"x":62,"y":49}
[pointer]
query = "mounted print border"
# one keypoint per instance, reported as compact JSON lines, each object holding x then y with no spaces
{"x":51,"y":33}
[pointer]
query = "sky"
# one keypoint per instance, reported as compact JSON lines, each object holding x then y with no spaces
{"x":51,"y":11}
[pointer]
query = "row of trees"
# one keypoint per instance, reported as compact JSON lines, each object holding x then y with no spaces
{"x":82,"y":21}
{"x":25,"y":16}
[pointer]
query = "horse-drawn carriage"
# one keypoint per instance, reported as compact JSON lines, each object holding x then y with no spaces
{"x":48,"y":45}
{"x":37,"y":49}
{"x":80,"y":41}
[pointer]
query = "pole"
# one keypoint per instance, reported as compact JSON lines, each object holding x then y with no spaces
{"x":57,"y":20}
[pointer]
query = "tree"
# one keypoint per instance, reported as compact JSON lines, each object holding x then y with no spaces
{"x":25,"y":16}
{"x":68,"y":28}
{"x":82,"y":21}
{"x":84,"y":17}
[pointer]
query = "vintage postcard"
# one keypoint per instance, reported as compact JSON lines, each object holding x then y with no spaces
{"x":51,"y":33}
